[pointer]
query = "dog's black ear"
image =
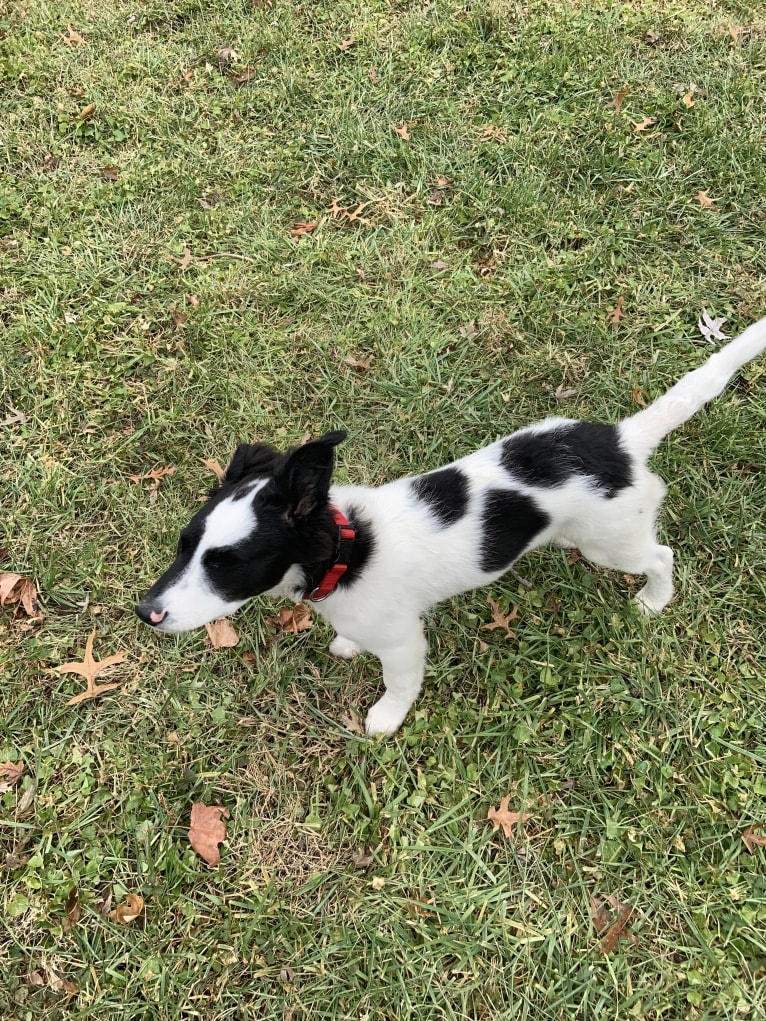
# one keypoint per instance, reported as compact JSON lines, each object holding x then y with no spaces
{"x":302,"y":480}
{"x":251,"y":460}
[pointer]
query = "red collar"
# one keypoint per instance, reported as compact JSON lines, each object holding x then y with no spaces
{"x":346,"y":536}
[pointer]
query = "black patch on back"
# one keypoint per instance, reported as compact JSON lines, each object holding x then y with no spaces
{"x":510,"y":521}
{"x":446,"y":493}
{"x":553,"y":457}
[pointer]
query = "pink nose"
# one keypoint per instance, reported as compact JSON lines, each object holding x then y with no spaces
{"x":157,"y":618}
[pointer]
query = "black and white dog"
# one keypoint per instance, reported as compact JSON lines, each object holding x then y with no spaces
{"x":374,"y":560}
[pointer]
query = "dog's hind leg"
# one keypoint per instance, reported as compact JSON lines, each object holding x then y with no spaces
{"x":403,"y":669}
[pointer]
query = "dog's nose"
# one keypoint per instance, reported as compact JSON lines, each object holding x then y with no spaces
{"x":150,"y":615}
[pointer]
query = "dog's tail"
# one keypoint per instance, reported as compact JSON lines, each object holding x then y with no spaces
{"x":644,"y":431}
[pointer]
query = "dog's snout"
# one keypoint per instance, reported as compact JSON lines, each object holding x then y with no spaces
{"x":150,"y":614}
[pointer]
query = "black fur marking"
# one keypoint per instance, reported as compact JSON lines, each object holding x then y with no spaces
{"x":552,"y":457}
{"x":510,"y":521}
{"x":446,"y":493}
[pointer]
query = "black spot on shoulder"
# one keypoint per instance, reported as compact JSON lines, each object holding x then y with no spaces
{"x":446,"y":493}
{"x":510,"y":521}
{"x":552,"y":457}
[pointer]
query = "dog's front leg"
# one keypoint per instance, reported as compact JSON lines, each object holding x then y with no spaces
{"x":403,"y":669}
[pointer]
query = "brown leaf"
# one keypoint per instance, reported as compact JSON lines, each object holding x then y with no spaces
{"x":404,"y":129}
{"x":359,"y":363}
{"x":687,"y":100}
{"x":73,"y":910}
{"x":704,"y":199}
{"x":72,"y":38}
{"x":562,"y":393}
{"x":360,"y":859}
{"x":352,"y":722}
{"x":16,"y":589}
{"x":500,"y":619}
{"x":129,"y":910}
{"x":156,"y":474}
{"x":346,"y":44}
{"x":10,"y":774}
{"x":90,"y":669}
{"x":617,"y":313}
{"x":222,"y":634}
{"x":110,"y":173}
{"x":245,"y":75}
{"x":735,"y":31}
{"x":651,"y":37}
{"x":212,"y":465}
{"x":644,"y":124}
{"x":48,"y":977}
{"x":208,"y":830}
{"x":612,"y":928}
{"x":16,"y":417}
{"x":750,"y":837}
{"x":619,"y":99}
{"x":493,"y":132}
{"x":87,"y":112}
{"x":639,"y":396}
{"x":184,"y":261}
{"x":299,"y":229}
{"x":373,"y":75}
{"x":501,"y":817}
{"x":227,"y":55}
{"x":292,"y":619}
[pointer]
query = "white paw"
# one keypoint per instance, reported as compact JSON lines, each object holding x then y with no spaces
{"x":386,"y":716}
{"x":651,"y":605}
{"x":344,"y":648}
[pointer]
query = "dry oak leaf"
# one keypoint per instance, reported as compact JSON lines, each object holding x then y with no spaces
{"x":618,"y":100}
{"x":299,"y":229}
{"x":129,"y":910}
{"x":292,"y":619}
{"x":184,"y":261}
{"x":705,"y":200}
{"x":617,"y":312}
{"x":500,"y":619}
{"x":73,"y":909}
{"x":749,"y":836}
{"x":359,"y":363}
{"x":208,"y":830}
{"x":245,"y":75}
{"x":72,"y":38}
{"x":87,"y":112}
{"x":501,"y":817}
{"x":644,"y":124}
{"x":346,"y":44}
{"x":404,"y":129}
{"x":212,"y":465}
{"x":90,"y":669}
{"x":110,"y":173}
{"x":156,"y":474}
{"x":687,"y":100}
{"x":16,"y":589}
{"x":612,"y":927}
{"x":10,"y":774}
{"x":16,"y":417}
{"x":222,"y":634}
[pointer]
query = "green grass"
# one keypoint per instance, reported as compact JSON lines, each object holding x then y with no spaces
{"x":637,"y":747}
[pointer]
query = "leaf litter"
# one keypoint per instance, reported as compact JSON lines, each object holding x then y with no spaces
{"x":90,"y":669}
{"x":15,"y":588}
{"x":207,"y":830}
{"x":503,"y":818}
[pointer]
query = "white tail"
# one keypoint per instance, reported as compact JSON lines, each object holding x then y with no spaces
{"x":644,"y":431}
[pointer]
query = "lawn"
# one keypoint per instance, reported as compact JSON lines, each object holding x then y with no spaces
{"x":262,"y":220}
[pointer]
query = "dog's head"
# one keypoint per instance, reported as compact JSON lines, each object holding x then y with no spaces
{"x":269,"y":515}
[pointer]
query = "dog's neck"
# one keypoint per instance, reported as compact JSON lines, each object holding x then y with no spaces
{"x":351,"y":542}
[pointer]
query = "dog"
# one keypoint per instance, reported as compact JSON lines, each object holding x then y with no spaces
{"x":373,"y":560}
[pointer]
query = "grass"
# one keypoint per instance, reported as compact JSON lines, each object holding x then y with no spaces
{"x":637,"y":747}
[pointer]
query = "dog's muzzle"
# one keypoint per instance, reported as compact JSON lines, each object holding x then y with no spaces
{"x":150,"y":614}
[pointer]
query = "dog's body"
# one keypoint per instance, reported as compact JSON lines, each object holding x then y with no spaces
{"x":272,"y":527}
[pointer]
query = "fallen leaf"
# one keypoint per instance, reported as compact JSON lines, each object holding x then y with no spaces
{"x":687,"y":100}
{"x":109,"y":173}
{"x":186,"y":78}
{"x":16,"y":417}
{"x":501,"y":817}
{"x":439,"y":264}
{"x":193,"y":300}
{"x":352,"y":215}
{"x":156,"y":474}
{"x":211,"y":200}
{"x":299,"y":229}
{"x":752,"y":839}
{"x":292,"y":619}
{"x":208,"y":830}
{"x":89,"y":668}
{"x":644,"y":124}
{"x":615,"y":927}
{"x":562,"y":393}
{"x":352,"y":722}
{"x":48,"y":977}
{"x":404,"y":129}
{"x":639,"y":396}
{"x":222,"y":634}
{"x":493,"y":132}
{"x":179,"y":318}
{"x":705,"y":200}
{"x":500,"y":619}
{"x":651,"y":37}
{"x":73,"y":910}
{"x":184,"y":261}
{"x":10,"y":774}
{"x":360,"y":859}
{"x":245,"y":75}
{"x":212,"y":465}
{"x":619,"y":99}
{"x":26,"y":800}
{"x":711,"y":328}
{"x":469,"y":330}
{"x":227,"y":55}
{"x":72,"y":38}
{"x":378,"y":882}
{"x":735,"y":31}
{"x":359,"y":363}
{"x":617,"y":313}
{"x":129,"y":910}
{"x":373,"y":75}
{"x":16,"y":589}
{"x":87,"y":112}
{"x":346,"y":44}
